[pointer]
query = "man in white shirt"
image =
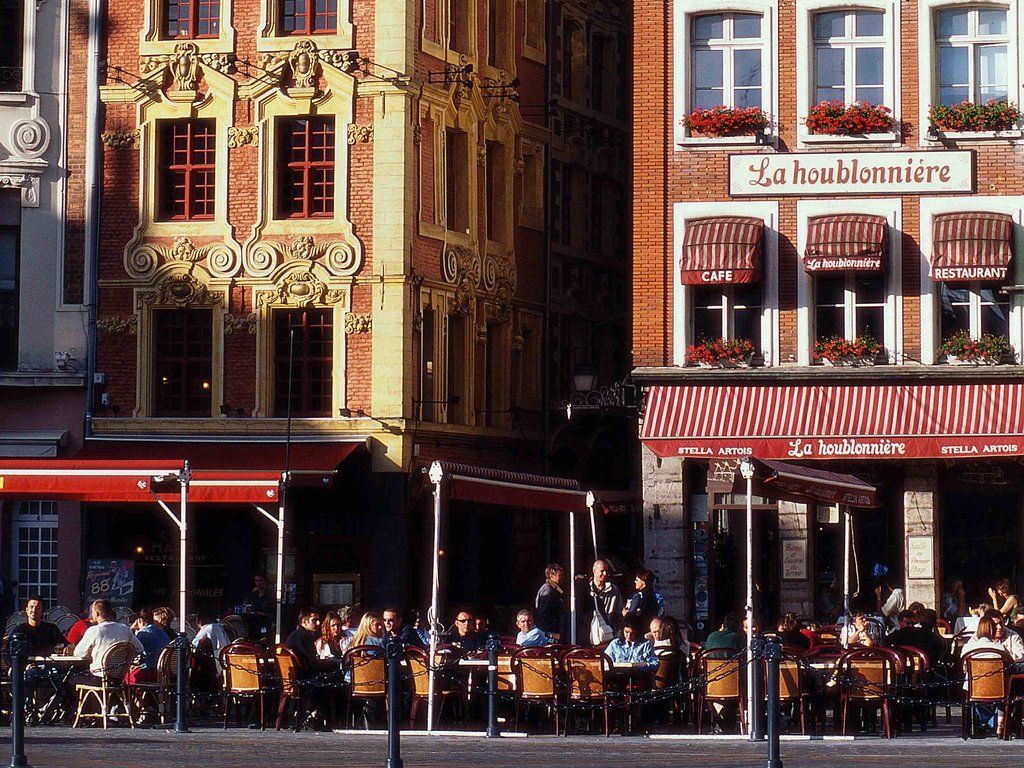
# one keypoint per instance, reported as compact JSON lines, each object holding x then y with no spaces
{"x":103,"y":634}
{"x":530,"y":635}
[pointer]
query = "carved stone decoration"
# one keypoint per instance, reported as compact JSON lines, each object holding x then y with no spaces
{"x":481,"y":155}
{"x":304,"y":64}
{"x":481,"y":334}
{"x":517,"y":344}
{"x":118,"y":325}
{"x":181,"y":291}
{"x":28,"y":184}
{"x":184,"y":65}
{"x":240,"y":324}
{"x":500,"y":280}
{"x":222,"y":62}
{"x":30,"y":137}
{"x":461,"y":267}
{"x":301,"y":289}
{"x":144,"y":259}
{"x":339,"y":257}
{"x":242,"y":136}
{"x":121,"y":139}
{"x":417,"y":133}
{"x":357,"y":323}
{"x":518,"y":166}
{"x":362,"y":134}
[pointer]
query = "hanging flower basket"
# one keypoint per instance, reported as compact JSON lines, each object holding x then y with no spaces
{"x":726,"y":121}
{"x":961,"y":349}
{"x":834,"y":118}
{"x":993,"y":115}
{"x":721,"y":353}
{"x":837,"y":351}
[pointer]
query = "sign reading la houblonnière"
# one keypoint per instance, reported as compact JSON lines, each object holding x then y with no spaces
{"x":851,"y":173}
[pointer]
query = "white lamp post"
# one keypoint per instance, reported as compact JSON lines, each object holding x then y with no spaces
{"x":747,"y":472}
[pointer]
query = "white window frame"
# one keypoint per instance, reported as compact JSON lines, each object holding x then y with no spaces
{"x":849,"y":43}
{"x":928,"y":64}
{"x":1012,"y":205}
{"x":974,"y":306}
{"x":682,"y":51}
{"x":682,"y":295}
{"x":892,"y":209}
{"x":805,"y":76}
{"x":28,"y":515}
{"x":972,"y":43}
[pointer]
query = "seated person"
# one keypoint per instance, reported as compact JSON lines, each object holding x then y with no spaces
{"x":154,"y":638}
{"x":103,"y":634}
{"x":302,"y":642}
{"x":484,"y":630}
{"x":77,"y":631}
{"x":211,"y":638}
{"x":530,"y":635}
{"x":370,"y":631}
{"x":923,"y":637}
{"x":725,"y":638}
{"x":631,"y":647}
{"x":43,"y":637}
{"x":329,"y":644}
{"x":860,"y":631}
{"x":791,"y":632}
{"x":1006,"y":636}
{"x":412,"y":633}
{"x":463,"y":635}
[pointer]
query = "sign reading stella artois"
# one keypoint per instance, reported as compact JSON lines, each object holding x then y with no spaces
{"x":851,"y":173}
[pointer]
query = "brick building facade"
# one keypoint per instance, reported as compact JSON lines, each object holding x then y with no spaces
{"x":846,"y":242}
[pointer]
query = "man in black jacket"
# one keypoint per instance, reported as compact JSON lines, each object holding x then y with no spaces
{"x":550,"y":603}
{"x":302,"y":641}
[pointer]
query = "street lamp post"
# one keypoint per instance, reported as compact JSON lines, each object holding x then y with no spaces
{"x":747,"y":472}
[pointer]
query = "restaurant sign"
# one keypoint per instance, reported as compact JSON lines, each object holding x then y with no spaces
{"x":851,"y":173}
{"x":844,"y":448}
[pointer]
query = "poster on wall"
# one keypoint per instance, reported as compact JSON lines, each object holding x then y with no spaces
{"x":794,"y":559}
{"x":920,"y":557}
{"x":112,"y":580}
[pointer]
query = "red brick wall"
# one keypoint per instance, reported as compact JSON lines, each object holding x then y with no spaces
{"x":664,"y":176}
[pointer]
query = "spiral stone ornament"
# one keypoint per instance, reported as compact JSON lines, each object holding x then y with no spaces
{"x":342,"y":259}
{"x":261,"y":260}
{"x":222,"y":261}
{"x":30,"y":137}
{"x":142,"y":261}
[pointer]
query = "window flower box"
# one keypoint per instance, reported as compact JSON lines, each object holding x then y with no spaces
{"x":834,"y":118}
{"x":720,"y":122}
{"x":837,"y":351}
{"x":721,"y":353}
{"x":992,"y":116}
{"x":961,"y":349}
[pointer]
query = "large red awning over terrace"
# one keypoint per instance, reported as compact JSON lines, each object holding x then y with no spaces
{"x":847,"y":422}
{"x":792,"y":482}
{"x":127,"y":471}
{"x":485,"y":485}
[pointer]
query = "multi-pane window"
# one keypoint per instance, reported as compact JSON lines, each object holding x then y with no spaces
{"x":849,"y":305}
{"x":309,"y":17}
{"x":457,"y":179}
{"x":497,"y":194}
{"x":972,"y":48}
{"x":459,"y":30}
{"x":182,"y":362}
{"x":306,"y":337}
{"x":849,"y":57}
{"x":975,"y":307}
{"x":8,"y":297}
{"x":187,"y":169}
{"x":191,"y":19}
{"x":305,"y":168}
{"x":34,"y":551}
{"x":726,"y":60}
{"x":728,"y":312}
{"x":455,"y":368}
{"x":11,"y":41}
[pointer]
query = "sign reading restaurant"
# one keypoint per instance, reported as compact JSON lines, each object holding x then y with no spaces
{"x":851,"y":173}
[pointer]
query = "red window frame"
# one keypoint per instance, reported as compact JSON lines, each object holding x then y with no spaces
{"x":188,"y":160}
{"x":308,"y":17}
{"x":191,"y":19}
{"x":305,"y":168}
{"x":312,"y":361}
{"x":182,"y":362}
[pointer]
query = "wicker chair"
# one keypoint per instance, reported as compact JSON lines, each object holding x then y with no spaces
{"x":114,"y":666}
{"x":288,"y":668}
{"x":66,"y":622}
{"x":247,"y":679}
{"x":720,"y":683}
{"x":236,"y":626}
{"x":55,"y":612}
{"x":670,"y":673}
{"x":791,"y":687}
{"x":584,"y":672}
{"x":367,"y":671}
{"x":868,"y":677}
{"x":446,"y":687}
{"x":987,"y":675}
{"x":536,"y":675}
{"x":164,"y":690}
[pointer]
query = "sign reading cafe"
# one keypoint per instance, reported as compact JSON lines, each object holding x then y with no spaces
{"x":851,"y":173}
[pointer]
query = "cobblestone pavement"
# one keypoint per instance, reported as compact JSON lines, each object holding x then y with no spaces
{"x":213,"y":748}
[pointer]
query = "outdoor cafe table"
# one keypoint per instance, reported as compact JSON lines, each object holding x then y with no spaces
{"x":631,"y":673}
{"x":68,"y":666}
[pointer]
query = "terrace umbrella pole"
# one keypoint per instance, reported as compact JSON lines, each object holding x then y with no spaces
{"x":436,"y":474}
{"x":593,"y":522}
{"x":847,"y":548}
{"x":747,"y":471}
{"x":572,"y":578}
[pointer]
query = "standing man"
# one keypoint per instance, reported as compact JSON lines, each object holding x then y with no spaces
{"x":258,"y":608}
{"x":550,"y":603}
{"x":607,"y":605}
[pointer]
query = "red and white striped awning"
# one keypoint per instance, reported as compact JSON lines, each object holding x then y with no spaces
{"x":846,"y":241}
{"x":794,"y":422}
{"x":971,"y":246}
{"x":721,"y":250}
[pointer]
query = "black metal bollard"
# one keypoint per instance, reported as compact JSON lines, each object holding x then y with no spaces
{"x":773,"y":655}
{"x":395,"y":654}
{"x":757,"y":645}
{"x":493,"y":644}
{"x":17,"y":649}
{"x":181,"y":720}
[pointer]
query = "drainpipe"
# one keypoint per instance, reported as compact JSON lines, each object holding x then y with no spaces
{"x":549,"y":38}
{"x":93,"y":161}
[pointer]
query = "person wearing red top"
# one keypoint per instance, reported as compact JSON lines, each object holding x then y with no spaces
{"x":78,"y":630}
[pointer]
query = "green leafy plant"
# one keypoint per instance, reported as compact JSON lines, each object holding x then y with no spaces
{"x":987,"y":349}
{"x":993,"y":115}
{"x":834,"y":118}
{"x":726,"y":121}
{"x":716,"y":352}
{"x":838,"y":350}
